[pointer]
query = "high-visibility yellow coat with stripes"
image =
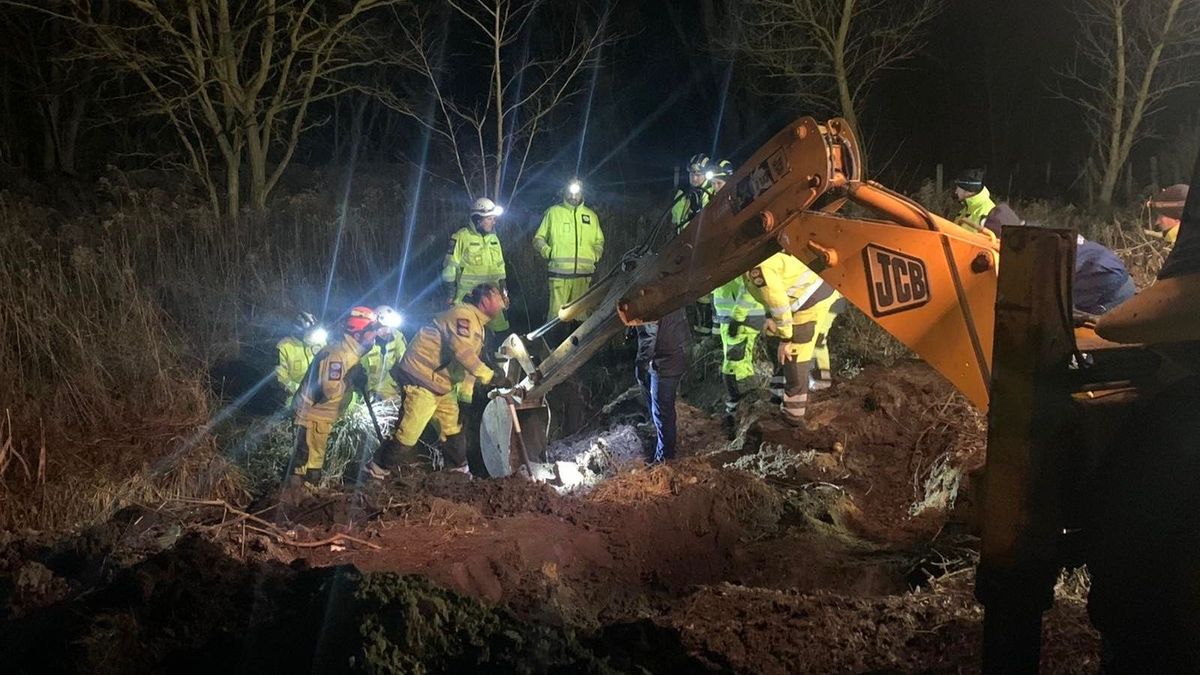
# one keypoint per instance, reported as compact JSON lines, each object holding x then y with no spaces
{"x":378,"y":363}
{"x":294,"y":357}
{"x":732,"y":301}
{"x":473,"y":258}
{"x":974,"y":209}
{"x":784,"y":284}
{"x":328,"y":385}
{"x":570,"y":239}
{"x":687,"y":204}
{"x":446,"y":351}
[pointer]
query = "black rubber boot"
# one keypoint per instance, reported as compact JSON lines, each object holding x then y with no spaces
{"x":455,"y":451}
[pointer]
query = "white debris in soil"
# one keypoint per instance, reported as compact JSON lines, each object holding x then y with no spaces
{"x":783,"y":463}
{"x":941,"y":486}
{"x":596,"y":456}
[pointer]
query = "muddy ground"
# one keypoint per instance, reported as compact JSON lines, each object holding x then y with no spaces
{"x":841,"y":547}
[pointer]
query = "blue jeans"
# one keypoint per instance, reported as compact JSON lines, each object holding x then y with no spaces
{"x":658,"y":393}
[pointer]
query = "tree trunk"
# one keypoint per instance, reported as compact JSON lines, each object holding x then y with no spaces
{"x":68,"y":135}
{"x":1108,"y":182}
{"x":498,"y":84}
{"x":233,"y":185}
{"x":49,"y":153}
{"x":256,"y":156}
{"x":839,"y":67}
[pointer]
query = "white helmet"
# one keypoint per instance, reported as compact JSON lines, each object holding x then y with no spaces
{"x":485,"y":207}
{"x":388,"y":317}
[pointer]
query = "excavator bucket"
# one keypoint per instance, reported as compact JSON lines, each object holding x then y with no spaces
{"x":507,"y":446}
{"x":513,"y":430}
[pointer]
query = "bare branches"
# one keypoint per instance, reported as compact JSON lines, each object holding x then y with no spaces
{"x":1131,"y":56}
{"x":826,"y":54}
{"x":491,"y":131}
{"x":237,"y":78}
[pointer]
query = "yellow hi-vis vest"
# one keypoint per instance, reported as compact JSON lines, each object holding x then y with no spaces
{"x":975,"y":208}
{"x":785,"y":285}
{"x":571,"y":240}
{"x":687,"y":204}
{"x":445,"y":352}
{"x":378,"y":363}
{"x":473,"y":258}
{"x":294,"y":358}
{"x":733,"y":302}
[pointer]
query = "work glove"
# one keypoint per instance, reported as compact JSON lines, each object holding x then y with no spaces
{"x":735,"y":327}
{"x":787,"y":352}
{"x":358,"y":381}
{"x":448,"y":291}
{"x":501,"y":381}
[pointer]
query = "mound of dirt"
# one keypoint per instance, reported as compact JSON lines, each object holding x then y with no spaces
{"x":898,"y":441}
{"x":192,"y":608}
{"x":753,"y":630}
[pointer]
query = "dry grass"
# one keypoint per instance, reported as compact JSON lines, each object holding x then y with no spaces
{"x":103,"y":407}
{"x":753,"y":500}
{"x":112,"y":314}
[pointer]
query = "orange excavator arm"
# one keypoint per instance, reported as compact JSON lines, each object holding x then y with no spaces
{"x":927,"y":281}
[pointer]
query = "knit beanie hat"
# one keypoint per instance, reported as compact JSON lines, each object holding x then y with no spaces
{"x":970,"y":180}
{"x":1169,"y":201}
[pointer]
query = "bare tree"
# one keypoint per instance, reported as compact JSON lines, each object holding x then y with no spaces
{"x":59,"y":88}
{"x":494,"y":126}
{"x":236,"y":79}
{"x":826,"y":54}
{"x":1132,"y":55}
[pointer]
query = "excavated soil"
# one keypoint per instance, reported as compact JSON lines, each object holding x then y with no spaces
{"x":833,"y":548}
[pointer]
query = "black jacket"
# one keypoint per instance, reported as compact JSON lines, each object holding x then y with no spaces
{"x":665,"y":344}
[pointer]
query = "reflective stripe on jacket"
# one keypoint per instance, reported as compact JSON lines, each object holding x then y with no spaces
{"x":571,"y":240}
{"x":472,"y":259}
{"x":732,"y":302}
{"x":785,"y":285}
{"x":446,"y":351}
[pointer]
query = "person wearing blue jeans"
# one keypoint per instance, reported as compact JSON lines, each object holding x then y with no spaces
{"x":662,"y":357}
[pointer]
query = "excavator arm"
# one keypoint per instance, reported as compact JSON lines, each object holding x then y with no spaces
{"x":925,"y":280}
{"x":1065,"y":399}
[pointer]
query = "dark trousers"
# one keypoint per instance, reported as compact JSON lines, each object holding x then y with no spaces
{"x":658,"y":393}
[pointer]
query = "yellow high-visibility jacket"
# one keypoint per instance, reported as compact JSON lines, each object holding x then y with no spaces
{"x":974,"y":209}
{"x":294,"y":358}
{"x":785,"y":285}
{"x":445,"y":352}
{"x":473,"y":258}
{"x":732,"y":301}
{"x":571,"y":240}
{"x":687,"y":204}
{"x":378,"y":363}
{"x":328,"y":385}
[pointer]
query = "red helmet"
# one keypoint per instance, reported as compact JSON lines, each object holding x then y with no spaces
{"x":361,"y":319}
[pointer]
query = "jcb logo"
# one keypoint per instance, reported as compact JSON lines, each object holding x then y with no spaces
{"x":896,"y":282}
